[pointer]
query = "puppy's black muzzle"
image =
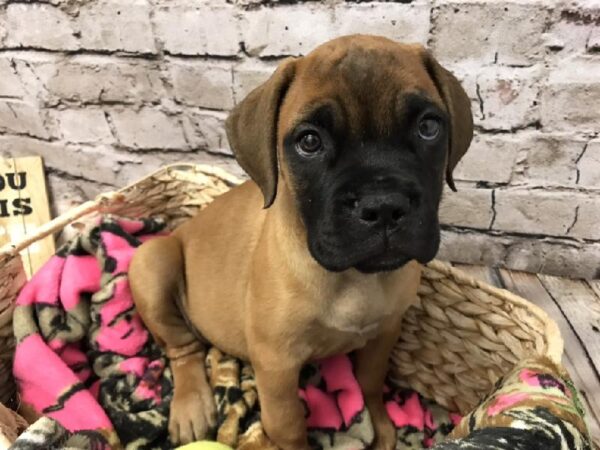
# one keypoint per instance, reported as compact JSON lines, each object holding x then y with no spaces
{"x":376,"y":210}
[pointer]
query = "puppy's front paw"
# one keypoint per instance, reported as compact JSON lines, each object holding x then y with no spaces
{"x":193,"y":415}
{"x":286,"y":438}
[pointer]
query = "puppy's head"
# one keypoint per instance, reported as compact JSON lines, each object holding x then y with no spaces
{"x":363,"y":132}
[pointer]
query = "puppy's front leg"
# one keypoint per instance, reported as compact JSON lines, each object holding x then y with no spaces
{"x":155,"y":276}
{"x":282,"y":413}
{"x":372,"y":363}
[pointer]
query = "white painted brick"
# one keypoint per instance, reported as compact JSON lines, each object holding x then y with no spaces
{"x":509,"y":97}
{"x":198,"y":83}
{"x":67,"y":194}
{"x":148,"y":129}
{"x":23,"y":63}
{"x":40,"y":26}
{"x":593,"y":43}
{"x":3,"y":25}
{"x":509,"y":32}
{"x":472,"y":247}
{"x":84,"y":125}
{"x":470,"y":208}
{"x":205,"y":130}
{"x":565,"y":38}
{"x":196,"y":28}
{"x":91,"y":79}
{"x":247,"y":77}
{"x":397,"y":21}
{"x":10,"y":84}
{"x":490,"y":158}
{"x":554,"y":257}
{"x":589,"y":166}
{"x":21,"y":118}
{"x":298,"y":29}
{"x":467,"y":74}
{"x":585,"y":10}
{"x":268,"y":32}
{"x":50,"y":123}
{"x":571,"y":97}
{"x":116,"y":25}
{"x":551,"y":160}
{"x":102,"y":158}
{"x":534,"y":212}
{"x":587,"y":225}
{"x":99,"y":164}
{"x":573,"y":30}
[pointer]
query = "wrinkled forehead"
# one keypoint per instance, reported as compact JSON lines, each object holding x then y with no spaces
{"x":367,"y":87}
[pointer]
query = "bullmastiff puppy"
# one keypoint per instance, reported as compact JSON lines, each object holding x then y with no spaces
{"x":320,"y":253}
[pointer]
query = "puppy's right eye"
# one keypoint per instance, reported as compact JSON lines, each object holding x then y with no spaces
{"x":309,"y":143}
{"x":429,"y":128}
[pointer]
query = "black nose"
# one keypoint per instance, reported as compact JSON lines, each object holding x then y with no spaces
{"x":382,"y":209}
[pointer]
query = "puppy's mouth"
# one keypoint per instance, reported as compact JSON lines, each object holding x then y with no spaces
{"x":383,"y":263}
{"x":373,"y":255}
{"x":385,"y":259}
{"x":380,"y":258}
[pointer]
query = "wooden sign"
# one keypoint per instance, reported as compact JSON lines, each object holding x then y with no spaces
{"x":24,"y":207}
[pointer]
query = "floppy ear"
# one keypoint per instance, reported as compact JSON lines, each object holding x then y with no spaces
{"x":252,"y":130}
{"x":458,"y":105}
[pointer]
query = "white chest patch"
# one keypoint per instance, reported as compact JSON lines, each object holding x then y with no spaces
{"x":358,"y":308}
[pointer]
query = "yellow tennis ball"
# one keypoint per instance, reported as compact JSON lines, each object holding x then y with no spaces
{"x":204,"y":445}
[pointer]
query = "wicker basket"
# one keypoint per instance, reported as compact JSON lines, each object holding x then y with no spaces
{"x":459,"y":339}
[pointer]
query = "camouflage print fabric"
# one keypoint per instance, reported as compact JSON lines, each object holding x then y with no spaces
{"x":48,"y":434}
{"x":83,"y":355}
{"x":420,"y":423}
{"x":534,"y":407}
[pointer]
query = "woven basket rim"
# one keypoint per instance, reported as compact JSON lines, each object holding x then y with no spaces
{"x":552,"y":332}
{"x":555,"y":343}
{"x":58,"y":223}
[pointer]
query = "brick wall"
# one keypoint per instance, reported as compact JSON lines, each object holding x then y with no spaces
{"x":107,"y":91}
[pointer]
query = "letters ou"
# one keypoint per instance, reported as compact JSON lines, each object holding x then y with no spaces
{"x":13,"y":183}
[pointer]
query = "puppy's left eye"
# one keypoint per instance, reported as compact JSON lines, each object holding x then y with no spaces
{"x":309,"y":143}
{"x":429,"y":128}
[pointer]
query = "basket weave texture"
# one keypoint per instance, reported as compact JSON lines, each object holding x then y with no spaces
{"x":456,"y":342}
